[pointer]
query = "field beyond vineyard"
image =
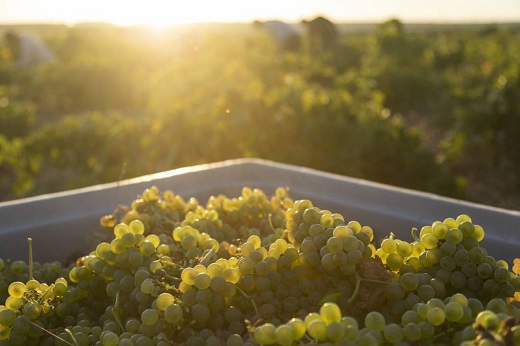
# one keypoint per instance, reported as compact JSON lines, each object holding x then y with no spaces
{"x":429,"y":107}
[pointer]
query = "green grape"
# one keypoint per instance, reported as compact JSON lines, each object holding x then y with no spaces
{"x":32,"y":310}
{"x":164,"y":300}
{"x":409,"y":281}
{"x":394,"y":261}
{"x":109,"y":339}
{"x":454,"y":311}
{"x":298,"y":327}
{"x":429,"y":241}
{"x":497,"y":305}
{"x":454,"y":236}
{"x":374,"y":320}
{"x":335,"y":331}
{"x":392,"y":333}
{"x":458,"y":279}
{"x":17,"y":289}
{"x":501,"y":275}
{"x":436,"y":316}
{"x":136,"y":227}
{"x":334,"y":245}
{"x":484,"y":271}
{"x":410,"y":316}
{"x":439,"y":230}
{"x":342,"y":232}
{"x":120,"y":230}
{"x":404,"y":249}
{"x":317,"y":330}
{"x":149,"y":317}
{"x":488,"y":319}
{"x":394,"y":291}
{"x":147,"y":286}
{"x":330,"y":312}
{"x":448,"y":263}
{"x":5,"y":332}
{"x":478,"y":233}
{"x":389,"y":245}
{"x":173,"y":313}
{"x":234,"y":340}
{"x":265,"y":334}
{"x":412,"y":332}
{"x":7,"y":317}
{"x":13,"y":303}
{"x":202,"y":281}
{"x":284,"y":334}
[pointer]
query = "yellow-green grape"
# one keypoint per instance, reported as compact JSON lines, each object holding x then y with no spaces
{"x":317,"y":329}
{"x":154,"y":239}
{"x":342,"y":232}
{"x":439,"y":230}
{"x":265,"y":334}
{"x":298,"y":327}
{"x":102,"y":248}
{"x":120,"y":229}
{"x":232,"y":275}
{"x":330,"y":312}
{"x":247,"y":248}
{"x":454,"y":311}
{"x":388,"y":245}
{"x":429,"y":241}
{"x":32,"y":310}
{"x":488,"y":319}
{"x":454,"y":236}
{"x":128,"y":240}
{"x":147,"y":286}
{"x":246,"y":265}
{"x":335,"y":331}
{"x":149,"y":317}
{"x":211,"y":244}
{"x":173,"y":313}
{"x":393,"y":333}
{"x":255,"y":240}
{"x":202,"y":281}
{"x":17,"y":289}
{"x":32,"y":284}
{"x":5,"y":332}
{"x":374,"y":320}
{"x":136,"y":227}
{"x":164,"y":300}
{"x":7,"y":317}
{"x":147,"y":248}
{"x":284,"y":335}
{"x":155,"y":266}
{"x":436,"y":316}
{"x":117,"y":246}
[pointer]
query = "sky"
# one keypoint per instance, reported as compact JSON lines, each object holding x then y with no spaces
{"x":171,"y":12}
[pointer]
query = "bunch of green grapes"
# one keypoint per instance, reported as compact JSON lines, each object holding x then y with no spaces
{"x":29,"y":307}
{"x":11,"y":271}
{"x":259,"y":270}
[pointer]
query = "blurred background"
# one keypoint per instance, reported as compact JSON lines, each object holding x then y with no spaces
{"x":418,"y":94}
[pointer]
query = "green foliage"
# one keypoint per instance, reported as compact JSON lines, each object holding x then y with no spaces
{"x":430,"y":110}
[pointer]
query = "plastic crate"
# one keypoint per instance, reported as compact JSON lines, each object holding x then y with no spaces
{"x":60,"y":223}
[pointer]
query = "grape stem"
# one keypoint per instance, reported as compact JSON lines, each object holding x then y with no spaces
{"x":115,"y":311}
{"x":358,"y":284}
{"x":205,"y":260}
{"x":51,"y":333}
{"x":414,"y":234}
{"x":356,"y":289}
{"x":29,"y":241}
{"x":248,"y":297}
{"x":72,"y":336}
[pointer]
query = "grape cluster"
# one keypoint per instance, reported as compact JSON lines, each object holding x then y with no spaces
{"x":259,"y":270}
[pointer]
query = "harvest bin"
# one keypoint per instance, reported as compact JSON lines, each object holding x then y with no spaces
{"x":60,"y":223}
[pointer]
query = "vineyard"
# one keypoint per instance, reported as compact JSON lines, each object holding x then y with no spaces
{"x":434,"y":109}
